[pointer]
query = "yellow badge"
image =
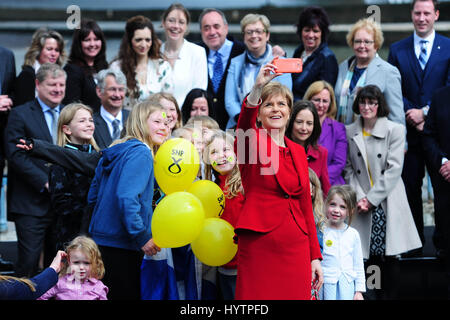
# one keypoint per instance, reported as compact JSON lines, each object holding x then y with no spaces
{"x":329,"y":243}
{"x":164,"y":115}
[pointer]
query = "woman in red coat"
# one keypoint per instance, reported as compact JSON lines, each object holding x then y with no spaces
{"x":279,"y":254}
{"x":304,"y":128}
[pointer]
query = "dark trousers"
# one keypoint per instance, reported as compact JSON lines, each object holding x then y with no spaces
{"x":412,"y":175}
{"x":122,"y":273}
{"x":389,"y":272}
{"x":32,"y":238}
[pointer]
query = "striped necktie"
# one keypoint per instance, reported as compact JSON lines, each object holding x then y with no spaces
{"x":116,"y":129}
{"x":54,"y":132}
{"x":217,"y":72}
{"x":423,"y":56}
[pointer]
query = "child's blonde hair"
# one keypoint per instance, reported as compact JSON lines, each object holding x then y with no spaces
{"x":317,"y":200}
{"x":233,"y":183}
{"x":90,"y":249}
{"x":137,"y":127}
{"x":348,"y":195}
{"x":65,"y":117}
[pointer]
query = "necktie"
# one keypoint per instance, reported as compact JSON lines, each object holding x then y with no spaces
{"x":217,"y":72}
{"x":423,"y":53}
{"x":116,"y":129}
{"x":54,"y":132}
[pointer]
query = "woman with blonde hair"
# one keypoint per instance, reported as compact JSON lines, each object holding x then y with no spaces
{"x":121,"y":196}
{"x":365,"y":67}
{"x":47,"y":46}
{"x":332,"y":136}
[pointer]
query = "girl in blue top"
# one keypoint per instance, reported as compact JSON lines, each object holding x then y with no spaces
{"x":121,"y":194}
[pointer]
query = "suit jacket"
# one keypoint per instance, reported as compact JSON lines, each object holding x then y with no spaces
{"x":436,"y":132}
{"x":101,"y":134}
{"x":7,"y":78}
{"x":26,"y":175}
{"x":317,"y":161}
{"x":383,"y":75}
{"x":219,"y":111}
{"x":80,"y":87}
{"x":321,"y":65}
{"x":383,"y":153}
{"x":25,"y":86}
{"x":264,"y":211}
{"x":334,"y":139}
{"x":419,"y":85}
{"x":233,"y":92}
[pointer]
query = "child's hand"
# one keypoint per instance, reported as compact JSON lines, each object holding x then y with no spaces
{"x":23,"y":145}
{"x":150,"y":248}
{"x":358,"y":296}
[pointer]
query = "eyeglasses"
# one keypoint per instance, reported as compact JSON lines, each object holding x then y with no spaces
{"x":257,"y":31}
{"x":113,"y":90}
{"x":318,"y":101}
{"x":370,"y":104}
{"x":360,"y":42}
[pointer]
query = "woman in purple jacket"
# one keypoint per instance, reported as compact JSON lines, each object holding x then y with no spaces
{"x":333,"y":137}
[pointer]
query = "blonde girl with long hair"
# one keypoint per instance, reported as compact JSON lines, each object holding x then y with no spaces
{"x":69,"y":189}
{"x":219,"y":156}
{"x":121,"y":195}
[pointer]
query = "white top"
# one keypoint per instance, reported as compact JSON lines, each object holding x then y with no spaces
{"x":159,"y":79}
{"x":342,"y":255}
{"x":190,"y":70}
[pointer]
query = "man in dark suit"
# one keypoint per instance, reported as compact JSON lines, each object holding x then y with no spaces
{"x":111,"y":119}
{"x":214,"y":30}
{"x":7,"y":78}
{"x":423,"y":60}
{"x":28,"y":197}
{"x":436,"y":137}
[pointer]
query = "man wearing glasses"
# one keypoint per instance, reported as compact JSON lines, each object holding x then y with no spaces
{"x":111,"y":119}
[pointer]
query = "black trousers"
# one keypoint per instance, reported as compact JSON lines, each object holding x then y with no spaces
{"x":32,"y":238}
{"x":122,"y":273}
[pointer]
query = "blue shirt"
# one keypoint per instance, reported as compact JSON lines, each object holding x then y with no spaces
{"x":224,"y":51}
{"x":48,"y":114}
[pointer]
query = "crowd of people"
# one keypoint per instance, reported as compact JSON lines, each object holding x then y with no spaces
{"x":321,"y":170}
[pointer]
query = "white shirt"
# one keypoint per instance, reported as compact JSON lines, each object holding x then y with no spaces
{"x":190,"y":70}
{"x":342,"y":255}
{"x":428,"y":45}
{"x":108,"y":117}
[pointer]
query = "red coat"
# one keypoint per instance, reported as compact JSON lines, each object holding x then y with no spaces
{"x":317,"y":161}
{"x":276,"y":231}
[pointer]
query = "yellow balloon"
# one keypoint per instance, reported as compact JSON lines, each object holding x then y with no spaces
{"x":177,"y":220}
{"x":214,"y":246}
{"x":176,"y":165}
{"x":211,"y":196}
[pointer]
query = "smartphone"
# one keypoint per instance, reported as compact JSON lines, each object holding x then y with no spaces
{"x":290,"y":65}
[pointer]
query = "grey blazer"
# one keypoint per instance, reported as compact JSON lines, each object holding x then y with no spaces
{"x":386,"y":77}
{"x":383,"y":153}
